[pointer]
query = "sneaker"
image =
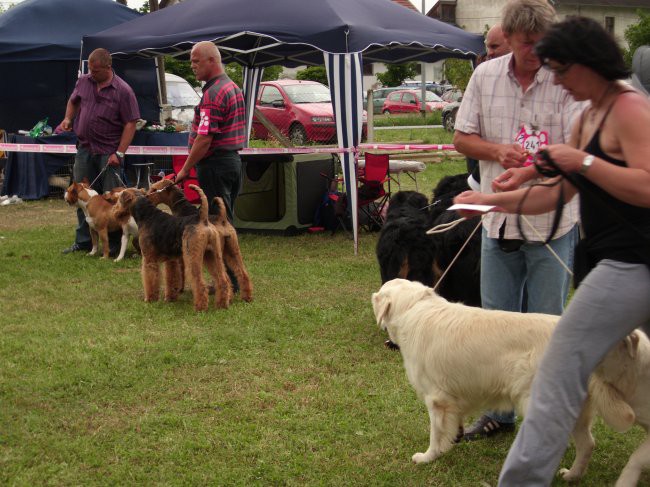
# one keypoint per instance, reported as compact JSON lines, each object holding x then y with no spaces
{"x":75,"y":247}
{"x":484,"y":427}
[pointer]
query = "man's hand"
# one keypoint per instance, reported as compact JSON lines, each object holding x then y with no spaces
{"x":113,"y":160}
{"x":511,"y":155}
{"x":512,"y":179}
{"x":66,"y":125}
{"x":182,"y":174}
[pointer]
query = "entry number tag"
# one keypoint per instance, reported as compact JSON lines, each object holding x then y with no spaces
{"x":531,"y":140}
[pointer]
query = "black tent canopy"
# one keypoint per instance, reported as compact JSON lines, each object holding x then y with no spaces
{"x":40,"y":42}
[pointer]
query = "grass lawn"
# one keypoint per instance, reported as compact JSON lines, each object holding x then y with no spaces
{"x":295,"y":388}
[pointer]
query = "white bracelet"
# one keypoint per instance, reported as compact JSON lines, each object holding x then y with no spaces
{"x":586,"y":163}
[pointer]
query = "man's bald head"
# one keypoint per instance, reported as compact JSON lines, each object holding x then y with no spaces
{"x":496,"y":43}
{"x":206,"y":61}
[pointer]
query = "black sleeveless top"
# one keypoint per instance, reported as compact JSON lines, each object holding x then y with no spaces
{"x":612,"y":229}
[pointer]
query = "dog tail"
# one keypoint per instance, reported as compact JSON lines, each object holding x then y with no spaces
{"x":222,"y":217}
{"x":203,"y":210}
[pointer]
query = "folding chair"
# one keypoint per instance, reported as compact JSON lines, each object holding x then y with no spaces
{"x":191,"y":195}
{"x":372,"y":196}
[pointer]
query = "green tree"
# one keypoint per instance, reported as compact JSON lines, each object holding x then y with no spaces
{"x":313,"y":73}
{"x":236,"y":73}
{"x":180,"y":68}
{"x":396,"y":74}
{"x":458,"y":72}
{"x":637,"y":35}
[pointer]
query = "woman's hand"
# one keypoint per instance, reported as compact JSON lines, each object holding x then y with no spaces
{"x":469,"y":198}
{"x":567,"y":158}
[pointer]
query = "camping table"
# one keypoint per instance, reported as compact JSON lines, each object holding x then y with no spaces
{"x":399,"y":166}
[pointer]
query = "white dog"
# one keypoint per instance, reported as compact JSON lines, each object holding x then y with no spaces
{"x":627,"y":370}
{"x":462,"y":360}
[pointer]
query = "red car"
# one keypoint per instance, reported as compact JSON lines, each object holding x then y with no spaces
{"x":407,"y":101}
{"x":301,"y":110}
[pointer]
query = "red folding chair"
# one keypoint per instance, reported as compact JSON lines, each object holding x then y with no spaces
{"x":372,"y":196}
{"x":191,"y":195}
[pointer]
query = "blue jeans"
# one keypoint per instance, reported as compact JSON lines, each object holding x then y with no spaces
{"x":87,"y":165}
{"x":504,"y":275}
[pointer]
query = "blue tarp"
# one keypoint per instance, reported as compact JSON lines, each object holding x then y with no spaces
{"x":291,"y":32}
{"x":40,"y":48}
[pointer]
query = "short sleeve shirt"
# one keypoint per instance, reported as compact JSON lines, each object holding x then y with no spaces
{"x":495,"y":108}
{"x":102,"y":115}
{"x":221,"y":114}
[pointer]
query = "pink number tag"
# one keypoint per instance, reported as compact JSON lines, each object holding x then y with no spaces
{"x":204,"y":123}
{"x":531,"y":140}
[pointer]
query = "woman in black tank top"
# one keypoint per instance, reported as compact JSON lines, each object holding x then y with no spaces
{"x":608,"y":164}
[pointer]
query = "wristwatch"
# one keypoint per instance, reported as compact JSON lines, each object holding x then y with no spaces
{"x":120,"y":155}
{"x":586,"y":163}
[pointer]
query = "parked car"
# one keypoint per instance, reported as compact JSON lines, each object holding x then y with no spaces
{"x":452,"y":95}
{"x":437,"y":88}
{"x":379,"y":96}
{"x":449,"y":115}
{"x":407,"y":101}
{"x":182,"y":97}
{"x":301,"y":110}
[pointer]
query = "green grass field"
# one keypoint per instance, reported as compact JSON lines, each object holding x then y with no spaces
{"x":296,"y":388}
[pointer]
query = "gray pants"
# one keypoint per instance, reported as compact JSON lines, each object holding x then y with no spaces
{"x":87,"y":165}
{"x":612,"y":301}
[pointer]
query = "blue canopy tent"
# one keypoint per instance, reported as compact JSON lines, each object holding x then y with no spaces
{"x":338,"y":33}
{"x":39,"y":59}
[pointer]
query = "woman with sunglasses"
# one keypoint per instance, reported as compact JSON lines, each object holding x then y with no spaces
{"x":608,"y":164}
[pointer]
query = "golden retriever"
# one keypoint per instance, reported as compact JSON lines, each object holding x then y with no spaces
{"x":626,"y":368}
{"x":462,"y":360}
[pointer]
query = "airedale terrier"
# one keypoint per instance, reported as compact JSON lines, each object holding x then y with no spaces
{"x":167,"y":239}
{"x":166,"y":192}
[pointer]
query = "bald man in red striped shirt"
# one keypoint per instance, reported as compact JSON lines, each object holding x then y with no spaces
{"x":218,"y":130}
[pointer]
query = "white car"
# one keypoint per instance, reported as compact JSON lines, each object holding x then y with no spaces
{"x":182,"y":97}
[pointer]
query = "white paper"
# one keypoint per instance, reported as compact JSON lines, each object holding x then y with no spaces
{"x":478,"y":208}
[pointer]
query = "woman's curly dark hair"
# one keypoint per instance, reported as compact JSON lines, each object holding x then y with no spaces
{"x":581,"y":40}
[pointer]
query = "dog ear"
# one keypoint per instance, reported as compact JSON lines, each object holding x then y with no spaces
{"x":631,"y":343}
{"x":381,"y":305}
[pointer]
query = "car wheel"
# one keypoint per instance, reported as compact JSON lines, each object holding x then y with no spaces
{"x":297,"y":135}
{"x":387,"y":112}
{"x":450,"y":120}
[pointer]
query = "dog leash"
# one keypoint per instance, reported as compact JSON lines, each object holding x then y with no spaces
{"x":449,"y":226}
{"x":117,"y":175}
{"x":175,"y":183}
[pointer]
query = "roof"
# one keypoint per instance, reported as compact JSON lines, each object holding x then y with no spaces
{"x":406,"y":3}
{"x":603,"y":3}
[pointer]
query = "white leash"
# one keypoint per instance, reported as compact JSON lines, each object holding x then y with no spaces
{"x":443,"y":227}
{"x":559,"y":259}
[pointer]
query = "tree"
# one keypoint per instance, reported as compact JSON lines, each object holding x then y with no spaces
{"x":458,"y":72}
{"x":637,"y":35}
{"x":396,"y":74}
{"x":236,"y":73}
{"x":313,"y":73}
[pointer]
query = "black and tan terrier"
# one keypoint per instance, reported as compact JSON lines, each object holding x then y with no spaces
{"x":170,"y":239}
{"x":166,"y":192}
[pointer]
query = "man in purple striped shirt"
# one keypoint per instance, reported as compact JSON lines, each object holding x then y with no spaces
{"x":104,"y":110}
{"x":218,"y":130}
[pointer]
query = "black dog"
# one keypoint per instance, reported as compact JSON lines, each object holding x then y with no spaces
{"x":404,"y":249}
{"x":463,"y":281}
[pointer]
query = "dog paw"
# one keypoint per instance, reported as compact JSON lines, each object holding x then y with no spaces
{"x":422,"y":458}
{"x":568,"y":476}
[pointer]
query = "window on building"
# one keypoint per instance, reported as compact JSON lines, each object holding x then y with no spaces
{"x":609,"y":24}
{"x":368,"y":69}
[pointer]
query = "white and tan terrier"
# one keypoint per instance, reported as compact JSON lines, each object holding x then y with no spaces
{"x":101,"y":218}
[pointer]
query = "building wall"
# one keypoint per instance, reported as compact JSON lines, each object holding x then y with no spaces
{"x":474,"y":15}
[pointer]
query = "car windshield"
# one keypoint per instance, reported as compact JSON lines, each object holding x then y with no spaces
{"x":430,"y":96}
{"x":308,"y":93}
{"x":181,"y":94}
